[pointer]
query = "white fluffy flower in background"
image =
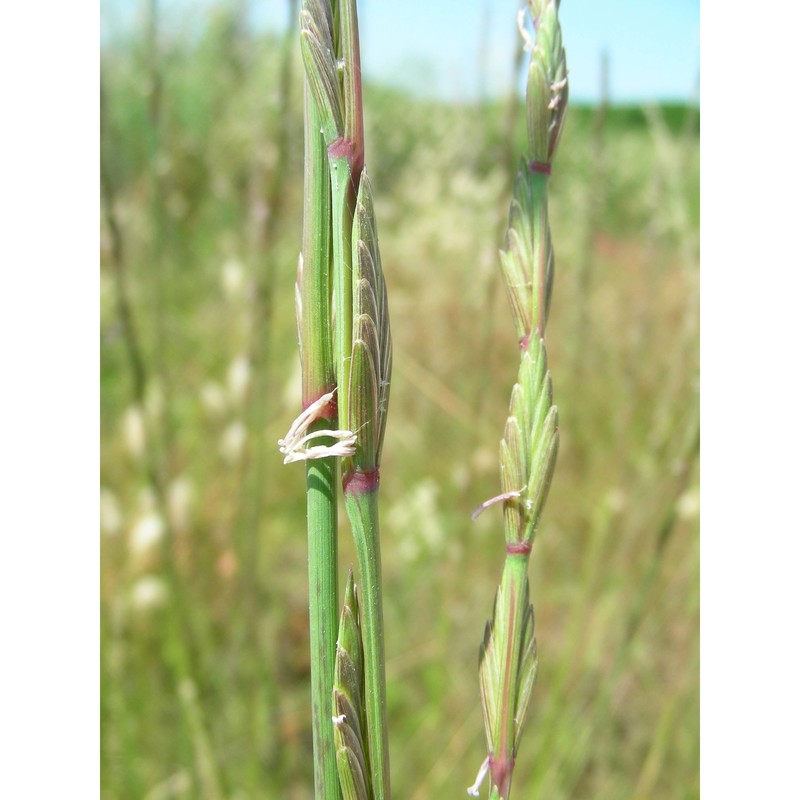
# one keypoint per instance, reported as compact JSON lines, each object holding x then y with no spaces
{"x":110,"y":514}
{"x":148,"y":593}
{"x":616,"y":500}
{"x":146,"y":533}
{"x":233,"y":441}
{"x":418,"y":513}
{"x":238,"y":378}
{"x":180,"y":496}
{"x":232,"y":278}
{"x":213,"y":398}
{"x":689,"y":504}
{"x":133,"y":431}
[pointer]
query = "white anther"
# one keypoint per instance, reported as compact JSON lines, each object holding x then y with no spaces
{"x":497,"y":499}
{"x":474,"y":790}
{"x":526,"y":37}
{"x":294,"y":444}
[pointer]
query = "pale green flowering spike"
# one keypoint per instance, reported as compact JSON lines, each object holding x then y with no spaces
{"x":548,"y":89}
{"x":530,"y":445}
{"x":528,"y":450}
{"x":370,"y":365}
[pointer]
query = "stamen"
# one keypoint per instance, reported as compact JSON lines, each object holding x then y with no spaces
{"x":293,"y":445}
{"x":526,"y":37}
{"x":474,"y":790}
{"x":498,"y":499}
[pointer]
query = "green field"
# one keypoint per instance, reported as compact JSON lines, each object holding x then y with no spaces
{"x":205,"y":659}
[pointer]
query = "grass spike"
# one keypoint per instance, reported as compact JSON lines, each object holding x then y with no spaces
{"x":508,"y":661}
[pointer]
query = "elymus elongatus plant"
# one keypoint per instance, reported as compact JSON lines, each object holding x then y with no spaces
{"x":346,"y":355}
{"x":530,"y":439}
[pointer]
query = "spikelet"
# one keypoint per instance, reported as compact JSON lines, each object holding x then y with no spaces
{"x":349,"y":722}
{"x":548,"y":89}
{"x":371,"y":363}
{"x":493,"y":665}
{"x":319,"y":58}
{"x":529,"y":447}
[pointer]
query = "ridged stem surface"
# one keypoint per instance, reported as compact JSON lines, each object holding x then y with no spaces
{"x":322,"y":616}
{"x":321,"y":498}
{"x":362,"y":510}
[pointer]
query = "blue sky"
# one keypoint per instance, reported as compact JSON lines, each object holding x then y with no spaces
{"x":434,"y":46}
{"x":653,"y":45}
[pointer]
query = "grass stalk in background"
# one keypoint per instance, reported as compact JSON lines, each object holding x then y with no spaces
{"x":530,"y":442}
{"x":137,"y":366}
{"x":508,"y":159}
{"x":159,"y":233}
{"x":346,"y":354}
{"x":264,"y":216}
{"x":595,"y":201}
{"x":262,"y":251}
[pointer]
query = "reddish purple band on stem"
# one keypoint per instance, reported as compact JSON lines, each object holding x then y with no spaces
{"x":361,"y":481}
{"x":525,"y":341}
{"x":341,"y":148}
{"x":329,"y":411}
{"x":518,"y":548}
{"x":349,"y":150}
{"x":539,"y":166}
{"x":502,"y":769}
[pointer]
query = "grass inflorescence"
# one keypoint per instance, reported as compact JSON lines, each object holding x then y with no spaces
{"x":530,"y":440}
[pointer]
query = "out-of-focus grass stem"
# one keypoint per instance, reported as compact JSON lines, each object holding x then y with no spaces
{"x":567,"y":760}
{"x":130,"y":336}
{"x":595,"y":203}
{"x":508,"y":162}
{"x":161,"y":271}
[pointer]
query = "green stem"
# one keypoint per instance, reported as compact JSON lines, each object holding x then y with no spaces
{"x":316,"y":349}
{"x":343,"y":204}
{"x":540,"y":248}
{"x":323,"y":617}
{"x":362,"y":510}
{"x":513,"y":587}
{"x":320,"y":474}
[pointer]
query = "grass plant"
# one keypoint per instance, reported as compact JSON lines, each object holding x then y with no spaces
{"x":346,"y":355}
{"x":530,"y":441}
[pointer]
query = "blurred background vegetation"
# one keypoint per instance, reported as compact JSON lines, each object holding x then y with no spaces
{"x":203,"y":585}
